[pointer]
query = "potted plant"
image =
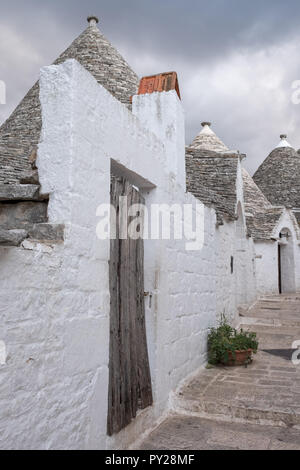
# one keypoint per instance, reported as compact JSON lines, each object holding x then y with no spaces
{"x":230,"y":347}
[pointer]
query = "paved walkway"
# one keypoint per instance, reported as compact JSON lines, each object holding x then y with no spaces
{"x":239,"y":408}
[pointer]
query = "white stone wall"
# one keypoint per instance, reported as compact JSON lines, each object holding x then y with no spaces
{"x":238,"y":288}
{"x":55,"y":300}
{"x":266,"y":267}
{"x":289,"y":222}
{"x":267,"y":257}
{"x":51,"y":313}
{"x":250,"y":287}
{"x":225,"y":280}
{"x":55,"y":306}
{"x":244,"y":251}
{"x":181,"y":282}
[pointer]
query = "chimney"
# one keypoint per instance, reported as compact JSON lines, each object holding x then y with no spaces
{"x":162,"y":114}
{"x":157,"y":83}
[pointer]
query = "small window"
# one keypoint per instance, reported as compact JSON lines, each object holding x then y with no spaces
{"x":231,"y":264}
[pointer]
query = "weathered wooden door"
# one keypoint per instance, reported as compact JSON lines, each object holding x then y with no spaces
{"x":129,"y":371}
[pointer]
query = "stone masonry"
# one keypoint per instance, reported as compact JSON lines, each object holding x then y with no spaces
{"x":238,"y":408}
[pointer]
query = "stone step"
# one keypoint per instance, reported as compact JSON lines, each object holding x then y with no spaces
{"x":240,"y":413}
{"x":240,"y":410}
{"x":266,"y":392}
{"x":275,"y":322}
{"x":183,"y":432}
{"x":237,"y":407}
{"x":278,"y":311}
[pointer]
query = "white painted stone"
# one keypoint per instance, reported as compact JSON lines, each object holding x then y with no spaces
{"x":85,"y":345}
{"x":162,"y":113}
{"x":267,"y":259}
{"x":37,"y":247}
{"x":283,"y":142}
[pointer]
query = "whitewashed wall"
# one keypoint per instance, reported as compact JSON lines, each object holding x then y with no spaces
{"x":250,"y":288}
{"x":225,"y":280}
{"x":55,"y":300}
{"x":245,"y":254}
{"x":238,"y":288}
{"x":266,"y":260}
{"x":288,"y":221}
{"x":182,"y":283}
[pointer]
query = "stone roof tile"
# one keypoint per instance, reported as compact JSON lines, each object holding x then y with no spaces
{"x":211,"y":177}
{"x":261,"y":216}
{"x":297,"y":216}
{"x":278,"y":177}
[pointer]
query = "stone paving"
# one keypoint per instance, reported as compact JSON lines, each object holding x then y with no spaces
{"x":193,"y":433}
{"x":243,"y":408}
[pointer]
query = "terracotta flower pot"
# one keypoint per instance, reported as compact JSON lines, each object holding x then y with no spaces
{"x":241,"y":358}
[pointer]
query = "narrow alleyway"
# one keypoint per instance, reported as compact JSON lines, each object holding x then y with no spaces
{"x":239,"y":408}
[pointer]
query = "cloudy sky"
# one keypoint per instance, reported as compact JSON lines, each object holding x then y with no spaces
{"x":236,"y":59}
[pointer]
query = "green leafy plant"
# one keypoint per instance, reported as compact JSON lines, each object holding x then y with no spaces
{"x":224,"y":341}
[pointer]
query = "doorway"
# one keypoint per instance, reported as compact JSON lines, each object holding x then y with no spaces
{"x":286,"y":263}
{"x":129,"y":372}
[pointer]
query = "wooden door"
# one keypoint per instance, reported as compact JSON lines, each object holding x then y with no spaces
{"x":129,"y":371}
{"x":279,"y":270}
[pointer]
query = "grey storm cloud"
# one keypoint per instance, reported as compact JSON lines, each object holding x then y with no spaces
{"x":236,"y":60}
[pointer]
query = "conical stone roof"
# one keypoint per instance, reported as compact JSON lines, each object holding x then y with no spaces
{"x":278,"y":177}
{"x":20,"y":134}
{"x":208,"y":140}
{"x":261,"y":216}
{"x":255,"y":200}
{"x":211,"y":171}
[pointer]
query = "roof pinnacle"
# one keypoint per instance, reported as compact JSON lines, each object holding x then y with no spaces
{"x":93,"y":20}
{"x":207,"y":140}
{"x":283,"y":142}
